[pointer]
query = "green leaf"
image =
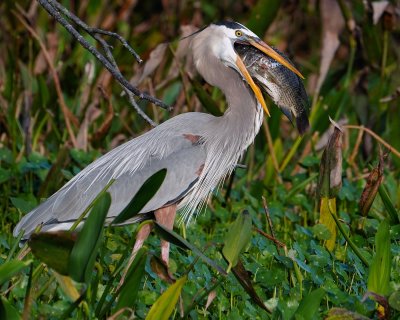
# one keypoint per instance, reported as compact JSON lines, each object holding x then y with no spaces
{"x":327,"y":209}
{"x":7,"y":311}
{"x":258,"y":22}
{"x":237,"y":238}
{"x":53,"y":248}
{"x":10,"y":268}
{"x":83,"y":254}
{"x":390,"y":208}
{"x":379,"y":272}
{"x":310,"y":304}
{"x":144,"y":195}
{"x":129,"y":290}
{"x":165,"y":304}
{"x":25,"y":204}
{"x":5,"y":175}
{"x":394,"y":300}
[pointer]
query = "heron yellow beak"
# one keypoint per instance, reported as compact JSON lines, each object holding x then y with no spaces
{"x":252,"y":85}
{"x":262,"y":46}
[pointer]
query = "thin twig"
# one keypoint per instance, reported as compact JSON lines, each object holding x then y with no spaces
{"x":356,"y":147}
{"x":271,"y":228}
{"x":276,"y":241}
{"x":57,"y":11}
{"x":374,"y":135}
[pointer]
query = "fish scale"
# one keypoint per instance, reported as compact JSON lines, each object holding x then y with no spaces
{"x":284,"y":87}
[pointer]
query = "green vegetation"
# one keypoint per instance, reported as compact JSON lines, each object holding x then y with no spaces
{"x":60,"y":109}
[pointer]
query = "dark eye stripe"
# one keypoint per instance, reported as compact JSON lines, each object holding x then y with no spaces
{"x":230,"y":24}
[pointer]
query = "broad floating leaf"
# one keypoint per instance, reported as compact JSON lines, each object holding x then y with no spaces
{"x":142,"y":197}
{"x":237,"y":238}
{"x":53,"y":248}
{"x":10,"y":268}
{"x":379,"y":271}
{"x":83,"y":254}
{"x":165,"y":304}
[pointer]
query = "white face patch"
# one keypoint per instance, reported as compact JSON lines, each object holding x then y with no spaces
{"x":223,"y":39}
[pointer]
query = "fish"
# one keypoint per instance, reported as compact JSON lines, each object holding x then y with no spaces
{"x":285,"y":88}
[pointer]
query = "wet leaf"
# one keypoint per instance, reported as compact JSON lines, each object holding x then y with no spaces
{"x":84,"y":252}
{"x":379,"y":272}
{"x":237,"y":238}
{"x":144,"y":195}
{"x":53,"y":248}
{"x":165,"y":304}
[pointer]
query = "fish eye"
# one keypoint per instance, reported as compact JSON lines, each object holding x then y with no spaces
{"x":238,"y":33}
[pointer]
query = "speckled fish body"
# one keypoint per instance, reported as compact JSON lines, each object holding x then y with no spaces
{"x":284,"y":87}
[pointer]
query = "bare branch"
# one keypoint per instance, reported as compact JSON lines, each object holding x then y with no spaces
{"x":57,"y":11}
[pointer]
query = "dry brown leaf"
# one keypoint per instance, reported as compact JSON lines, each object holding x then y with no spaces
{"x":378,"y":8}
{"x":374,"y":180}
{"x":52,"y":47}
{"x":156,"y":56}
{"x":332,"y":25}
{"x":211,"y":296}
{"x":323,"y":141}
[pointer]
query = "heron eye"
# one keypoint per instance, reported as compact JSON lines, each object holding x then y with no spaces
{"x":238,"y":33}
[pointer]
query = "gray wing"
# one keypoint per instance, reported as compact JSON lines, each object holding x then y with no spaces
{"x":130,"y":164}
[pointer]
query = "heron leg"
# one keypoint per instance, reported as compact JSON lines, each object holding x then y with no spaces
{"x":166,"y":217}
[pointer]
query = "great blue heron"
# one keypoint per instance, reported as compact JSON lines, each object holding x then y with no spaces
{"x":197,"y":149}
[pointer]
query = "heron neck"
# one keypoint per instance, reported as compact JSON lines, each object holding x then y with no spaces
{"x":243,"y":118}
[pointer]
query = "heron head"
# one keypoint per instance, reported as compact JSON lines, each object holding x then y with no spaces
{"x":225,"y":35}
